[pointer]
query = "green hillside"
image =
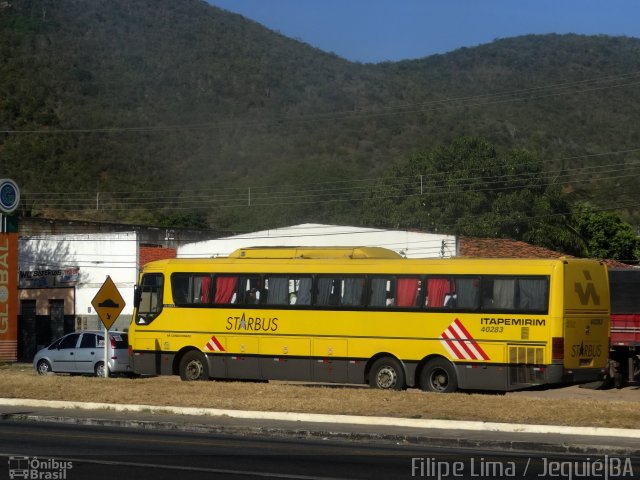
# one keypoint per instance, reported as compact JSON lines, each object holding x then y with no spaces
{"x":177,"y":112}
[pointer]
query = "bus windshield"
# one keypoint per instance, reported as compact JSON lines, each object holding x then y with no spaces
{"x":150,"y":295}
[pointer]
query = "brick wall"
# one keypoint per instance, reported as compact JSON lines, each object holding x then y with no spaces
{"x":150,"y":254}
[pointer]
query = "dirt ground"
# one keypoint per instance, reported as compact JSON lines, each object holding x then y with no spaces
{"x":572,"y":405}
{"x":626,"y":394}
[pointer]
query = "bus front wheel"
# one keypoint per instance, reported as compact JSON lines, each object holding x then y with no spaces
{"x":387,"y":374}
{"x":193,"y":366}
{"x":439,"y":376}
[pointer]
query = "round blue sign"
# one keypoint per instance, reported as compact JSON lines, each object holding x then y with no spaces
{"x":9,"y":195}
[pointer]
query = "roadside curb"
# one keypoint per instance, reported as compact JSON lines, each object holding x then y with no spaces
{"x":333,"y":419}
{"x":430,"y":440}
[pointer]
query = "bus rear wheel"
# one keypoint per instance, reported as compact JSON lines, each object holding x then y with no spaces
{"x":387,"y":374}
{"x":193,"y":366}
{"x":439,"y":376}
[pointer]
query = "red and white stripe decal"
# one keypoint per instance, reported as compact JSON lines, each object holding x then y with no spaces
{"x":457,"y":340}
{"x":214,"y":345}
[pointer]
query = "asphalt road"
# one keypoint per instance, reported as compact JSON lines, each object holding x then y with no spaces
{"x":72,"y":452}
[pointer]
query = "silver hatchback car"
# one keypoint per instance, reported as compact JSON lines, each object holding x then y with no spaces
{"x":83,"y":352}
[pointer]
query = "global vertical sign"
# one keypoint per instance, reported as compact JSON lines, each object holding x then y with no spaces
{"x":9,"y":199}
{"x":8,"y":296}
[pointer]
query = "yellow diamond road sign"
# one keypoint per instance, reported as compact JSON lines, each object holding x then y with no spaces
{"x":108,"y":303}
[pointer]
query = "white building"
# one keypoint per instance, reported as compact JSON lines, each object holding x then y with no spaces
{"x":59,"y":275}
{"x":408,"y":244}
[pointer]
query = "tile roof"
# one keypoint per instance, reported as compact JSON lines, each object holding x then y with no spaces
{"x":503,"y":248}
{"x":507,"y":248}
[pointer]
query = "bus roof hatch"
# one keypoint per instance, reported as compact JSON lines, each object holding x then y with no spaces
{"x":314,"y":252}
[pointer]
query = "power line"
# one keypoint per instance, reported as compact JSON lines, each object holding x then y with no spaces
{"x":361,"y":193}
{"x":533,"y":93}
{"x":306,"y":186}
{"x":241,"y":193}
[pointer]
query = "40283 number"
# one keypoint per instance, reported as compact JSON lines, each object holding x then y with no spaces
{"x":492,"y":329}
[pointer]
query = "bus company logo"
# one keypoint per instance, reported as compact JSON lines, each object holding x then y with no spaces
{"x":252,"y":324}
{"x":589,"y":293}
{"x":457,"y":340}
{"x":38,"y":469}
{"x":214,"y":345}
{"x":586,"y":351}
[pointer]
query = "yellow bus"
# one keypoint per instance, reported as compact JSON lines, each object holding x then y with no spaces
{"x":367,"y":315}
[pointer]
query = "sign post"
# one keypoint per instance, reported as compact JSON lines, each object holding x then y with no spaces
{"x":108,"y":303}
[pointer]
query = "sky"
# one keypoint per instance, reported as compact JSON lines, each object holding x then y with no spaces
{"x":392,"y":30}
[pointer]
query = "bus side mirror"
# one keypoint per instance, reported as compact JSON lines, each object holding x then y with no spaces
{"x":137,"y":295}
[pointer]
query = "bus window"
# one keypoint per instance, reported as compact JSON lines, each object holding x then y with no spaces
{"x":225,"y":290}
{"x":288,"y":290}
{"x":440,"y":293}
{"x":381,"y":293}
{"x":250,"y":291}
{"x":467,"y":293}
{"x":335,"y":291}
{"x":533,"y":295}
{"x":352,"y":289}
{"x":527,"y":295}
{"x":328,"y":290}
{"x":394,"y":291}
{"x":301,"y":294}
{"x":190,"y":289}
{"x":498,"y":294}
{"x":407,"y":292}
{"x":150,"y":298}
{"x":278,"y":290}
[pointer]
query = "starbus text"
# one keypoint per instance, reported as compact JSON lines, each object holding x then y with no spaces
{"x":254,"y":324}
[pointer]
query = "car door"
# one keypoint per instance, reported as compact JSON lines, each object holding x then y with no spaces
{"x":63,"y":357}
{"x":87,"y":353}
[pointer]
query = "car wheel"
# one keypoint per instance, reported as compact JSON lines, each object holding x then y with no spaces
{"x":193,"y":366}
{"x":44,"y":367}
{"x":387,"y":374}
{"x":439,"y":376}
{"x":99,"y":369}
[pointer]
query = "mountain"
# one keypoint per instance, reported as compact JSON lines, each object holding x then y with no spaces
{"x":178,"y":112}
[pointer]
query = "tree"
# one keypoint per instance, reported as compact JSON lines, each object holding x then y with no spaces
{"x":470,"y":188}
{"x":182,"y":220}
{"x":606,"y":235}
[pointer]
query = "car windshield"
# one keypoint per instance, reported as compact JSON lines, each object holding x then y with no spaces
{"x":120,"y":339}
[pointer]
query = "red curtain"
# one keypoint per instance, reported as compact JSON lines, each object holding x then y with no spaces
{"x":205,"y":288}
{"x":225,"y":288}
{"x":437,"y":289}
{"x":407,"y":292}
